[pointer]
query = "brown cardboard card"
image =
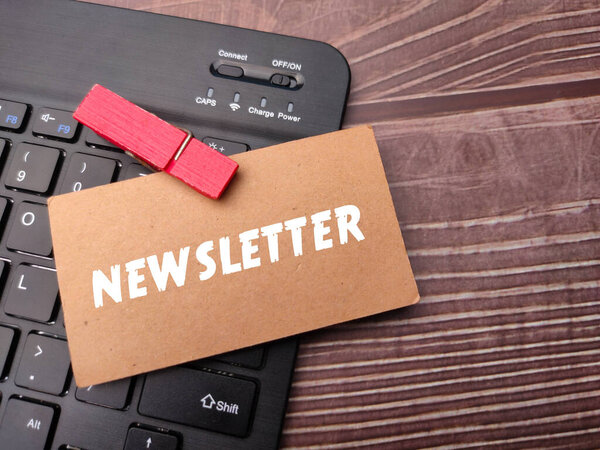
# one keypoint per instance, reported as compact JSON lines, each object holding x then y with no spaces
{"x":152,"y":274}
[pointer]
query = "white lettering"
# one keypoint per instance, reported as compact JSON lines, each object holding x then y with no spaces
{"x":348,"y":217}
{"x":261,"y":112}
{"x":225,"y":251}
{"x":289,"y":117}
{"x":227,"y":54}
{"x":135,"y":278}
{"x":34,"y":424}
{"x":321,"y":230}
{"x":206,"y":101}
{"x":169,"y":267}
{"x":28,"y":218}
{"x":20,"y":285}
{"x":231,"y":408}
{"x":270,"y":232}
{"x":112,"y":287}
{"x":344,"y":224}
{"x":286,"y":64}
{"x":248,"y":249}
{"x":203,"y":258}
{"x":294,"y":226}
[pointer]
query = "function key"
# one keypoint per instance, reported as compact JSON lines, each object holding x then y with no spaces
{"x":32,"y":168}
{"x":30,"y":230}
{"x":32,"y":294}
{"x":200,"y":399}
{"x":86,"y":171}
{"x":25,"y":425}
{"x":94,"y":140}
{"x":141,"y":439}
{"x":224,"y":146}
{"x":12,"y":114}
{"x":54,"y":123}
{"x":44,"y":364}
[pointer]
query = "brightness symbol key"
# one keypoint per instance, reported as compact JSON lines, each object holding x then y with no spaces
{"x":225,"y":146}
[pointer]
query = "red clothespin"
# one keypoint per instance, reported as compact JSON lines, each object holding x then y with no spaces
{"x":157,"y":143}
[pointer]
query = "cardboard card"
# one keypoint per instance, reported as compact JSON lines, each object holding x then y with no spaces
{"x":152,"y":274}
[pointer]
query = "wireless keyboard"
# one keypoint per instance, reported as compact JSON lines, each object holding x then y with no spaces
{"x":236,"y":90}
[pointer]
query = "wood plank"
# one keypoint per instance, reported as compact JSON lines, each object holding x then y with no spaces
{"x":500,"y":212}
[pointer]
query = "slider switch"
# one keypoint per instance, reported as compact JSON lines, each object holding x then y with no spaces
{"x":280,"y":80}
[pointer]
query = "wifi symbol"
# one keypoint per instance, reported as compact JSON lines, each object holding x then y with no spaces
{"x":234,"y":106}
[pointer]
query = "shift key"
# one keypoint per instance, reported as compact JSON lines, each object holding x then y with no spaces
{"x":200,"y":399}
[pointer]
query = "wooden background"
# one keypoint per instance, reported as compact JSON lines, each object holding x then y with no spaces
{"x":487,"y":116}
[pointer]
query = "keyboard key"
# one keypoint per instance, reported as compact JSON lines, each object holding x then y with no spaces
{"x":30,"y":231}
{"x":32,"y":167}
{"x":248,"y":357}
{"x":201,"y":399}
{"x":86,"y":171}
{"x":226,"y":147}
{"x":44,"y":364}
{"x":94,"y":140}
{"x":110,"y":395}
{"x":6,"y":339}
{"x":54,"y":123}
{"x":32,"y":294}
{"x":3,"y":206}
{"x":25,"y":425}
{"x":3,"y":147}
{"x":12,"y":114}
{"x":133,"y":171}
{"x":141,"y":439}
{"x":60,"y":319}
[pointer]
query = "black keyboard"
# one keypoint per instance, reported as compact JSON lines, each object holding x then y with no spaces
{"x":236,"y":90}
{"x":57,"y":156}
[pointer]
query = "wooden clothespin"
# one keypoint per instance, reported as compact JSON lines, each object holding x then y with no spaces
{"x":155,"y":142}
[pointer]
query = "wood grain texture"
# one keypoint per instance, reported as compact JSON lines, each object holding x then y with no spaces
{"x":487,"y":116}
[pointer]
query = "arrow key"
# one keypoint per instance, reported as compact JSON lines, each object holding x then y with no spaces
{"x":44,"y":364}
{"x":141,"y":439}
